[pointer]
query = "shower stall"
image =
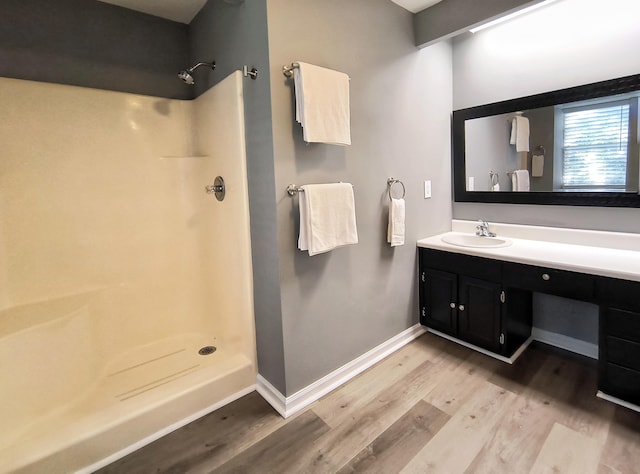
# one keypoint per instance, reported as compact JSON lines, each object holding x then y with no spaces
{"x":125,"y":289}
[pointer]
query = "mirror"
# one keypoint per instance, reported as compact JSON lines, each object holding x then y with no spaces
{"x":576,"y":146}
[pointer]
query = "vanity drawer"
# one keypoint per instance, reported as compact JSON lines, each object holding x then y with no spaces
{"x":620,"y":323}
{"x":623,"y":352}
{"x":472,"y":266}
{"x":621,"y":382}
{"x":548,"y":280}
{"x":623,"y":294}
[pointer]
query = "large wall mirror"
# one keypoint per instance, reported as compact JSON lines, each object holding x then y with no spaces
{"x":576,"y":146}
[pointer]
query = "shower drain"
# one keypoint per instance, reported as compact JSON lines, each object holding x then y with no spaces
{"x":206,"y":350}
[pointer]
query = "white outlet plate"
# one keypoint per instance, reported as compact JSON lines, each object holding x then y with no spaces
{"x":427,"y":189}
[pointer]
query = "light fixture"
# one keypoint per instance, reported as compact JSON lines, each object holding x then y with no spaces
{"x":510,"y":16}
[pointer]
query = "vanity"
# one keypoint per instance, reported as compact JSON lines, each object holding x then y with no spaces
{"x":477,"y":291}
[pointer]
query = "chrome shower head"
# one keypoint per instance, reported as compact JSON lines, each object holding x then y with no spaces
{"x":186,"y":77}
{"x":186,"y":74}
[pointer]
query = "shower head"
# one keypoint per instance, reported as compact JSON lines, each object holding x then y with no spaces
{"x":186,"y":74}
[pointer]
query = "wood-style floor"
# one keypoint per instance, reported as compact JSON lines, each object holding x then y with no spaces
{"x":433,"y":406}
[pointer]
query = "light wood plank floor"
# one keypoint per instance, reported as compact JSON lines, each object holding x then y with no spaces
{"x":433,"y":406}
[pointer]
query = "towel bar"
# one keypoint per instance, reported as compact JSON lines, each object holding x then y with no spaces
{"x":391,"y":181}
{"x":288,"y":70}
{"x":293,"y":189}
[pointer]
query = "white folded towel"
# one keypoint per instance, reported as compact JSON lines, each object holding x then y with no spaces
{"x":322,"y":104}
{"x":395,"y":229}
{"x":520,"y":180}
{"x":520,"y":133}
{"x":537,"y":166}
{"x":327,"y":217}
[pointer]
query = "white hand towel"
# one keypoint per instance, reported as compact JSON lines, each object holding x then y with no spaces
{"x":327,"y":217}
{"x":520,"y":133}
{"x":537,"y":166}
{"x":322,"y":104}
{"x":495,"y":181}
{"x":521,"y":180}
{"x":395,"y":229}
{"x":303,"y":237}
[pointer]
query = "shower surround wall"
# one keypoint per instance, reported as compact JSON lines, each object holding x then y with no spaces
{"x":116,"y":267}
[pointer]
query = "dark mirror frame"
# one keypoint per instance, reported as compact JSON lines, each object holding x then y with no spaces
{"x":589,"y":91}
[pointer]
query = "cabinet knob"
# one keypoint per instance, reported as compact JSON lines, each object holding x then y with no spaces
{"x":461,"y":307}
{"x":546,"y":277}
{"x":452,"y":305}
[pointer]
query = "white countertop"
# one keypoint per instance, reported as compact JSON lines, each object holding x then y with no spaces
{"x":581,"y":251}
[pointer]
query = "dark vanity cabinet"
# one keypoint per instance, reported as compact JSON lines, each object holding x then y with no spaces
{"x":487,"y":303}
{"x":619,"y":345}
{"x":463,"y":296}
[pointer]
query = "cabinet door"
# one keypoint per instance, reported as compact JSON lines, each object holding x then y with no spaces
{"x":479,"y":311}
{"x":438,"y":305}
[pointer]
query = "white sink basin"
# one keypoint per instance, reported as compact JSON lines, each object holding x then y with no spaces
{"x":470,"y":240}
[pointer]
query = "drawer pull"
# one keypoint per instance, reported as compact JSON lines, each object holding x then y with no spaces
{"x":546,"y":277}
{"x":461,"y":307}
{"x":452,"y":305}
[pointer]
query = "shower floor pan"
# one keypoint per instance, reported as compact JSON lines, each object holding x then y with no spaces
{"x":138,"y":397}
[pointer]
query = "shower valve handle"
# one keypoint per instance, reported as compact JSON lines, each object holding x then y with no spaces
{"x":218,"y":188}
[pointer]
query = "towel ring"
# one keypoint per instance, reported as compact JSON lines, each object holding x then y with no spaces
{"x":391,"y":182}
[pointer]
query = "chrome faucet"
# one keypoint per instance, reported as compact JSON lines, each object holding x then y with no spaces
{"x":482,"y":229}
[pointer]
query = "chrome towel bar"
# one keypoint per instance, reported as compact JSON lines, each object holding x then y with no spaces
{"x":288,"y":70}
{"x":293,"y":189}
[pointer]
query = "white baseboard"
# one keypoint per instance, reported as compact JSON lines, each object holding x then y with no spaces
{"x":508,"y":360}
{"x":287,"y":406}
{"x":570,"y":344}
{"x":272,"y":395}
{"x":617,"y":401}
{"x":163,"y":432}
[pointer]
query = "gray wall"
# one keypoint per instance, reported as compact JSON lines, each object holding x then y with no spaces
{"x":234,"y":35}
{"x":92,"y":44}
{"x":487,"y":149}
{"x":581,"y":42}
{"x":576,"y":319}
{"x":515,"y":59}
{"x":542,"y":128}
{"x":337,"y":306}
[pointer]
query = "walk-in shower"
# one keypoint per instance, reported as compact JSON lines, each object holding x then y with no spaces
{"x":126,"y":300}
{"x":187,"y":74}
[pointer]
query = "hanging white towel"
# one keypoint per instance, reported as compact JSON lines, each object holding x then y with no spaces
{"x":395,"y":228}
{"x":520,"y":133}
{"x":520,"y":180}
{"x":327,"y":217}
{"x":537,"y":166}
{"x":322,"y":104}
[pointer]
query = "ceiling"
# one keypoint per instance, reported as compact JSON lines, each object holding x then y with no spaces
{"x":183,"y":11}
{"x":416,"y":6}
